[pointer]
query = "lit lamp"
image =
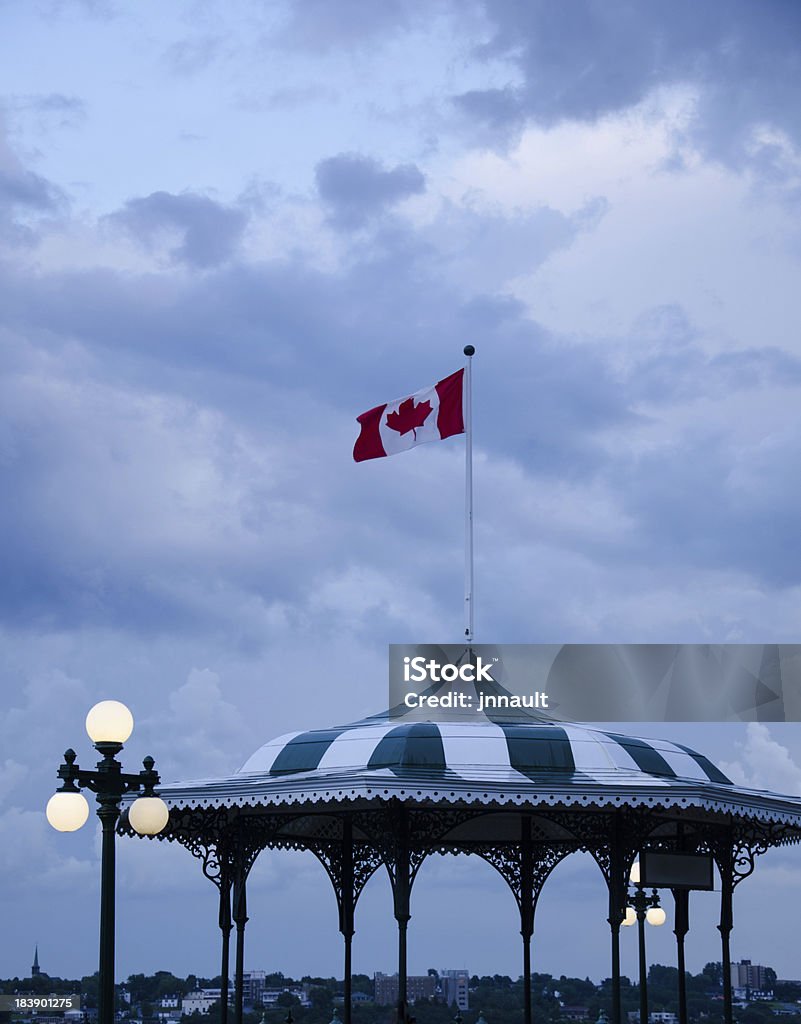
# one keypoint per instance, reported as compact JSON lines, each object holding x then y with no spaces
{"x":642,"y":908}
{"x":109,"y":724}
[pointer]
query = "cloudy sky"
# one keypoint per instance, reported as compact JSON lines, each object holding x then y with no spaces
{"x":228,"y":229}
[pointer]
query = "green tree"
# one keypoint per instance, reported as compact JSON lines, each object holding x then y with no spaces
{"x":714,"y":973}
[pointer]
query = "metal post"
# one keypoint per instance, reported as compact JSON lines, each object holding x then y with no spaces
{"x":109,"y":783}
{"x":680,"y":929}
{"x":526,"y":913}
{"x":240,"y":917}
{"x":469,"y":351}
{"x":639,"y":905}
{"x":725,"y":927}
{"x":108,"y":812}
{"x":346,"y":914}
{"x":616,"y":996}
{"x":402,"y":990}
{"x":401,"y":892}
{"x":225,"y":928}
{"x":617,"y":894}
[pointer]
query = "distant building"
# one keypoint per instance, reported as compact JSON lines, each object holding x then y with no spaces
{"x":168,"y":1008}
{"x":753,"y":979}
{"x":253,"y":986}
{"x":357,"y":998}
{"x":35,"y":969}
{"x":574,"y":1012}
{"x":455,"y":988}
{"x":662,"y":1017}
{"x":201,"y":1001}
{"x":270,"y":996}
{"x":418,"y":986}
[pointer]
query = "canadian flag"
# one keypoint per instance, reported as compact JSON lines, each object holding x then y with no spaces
{"x":428,"y":415}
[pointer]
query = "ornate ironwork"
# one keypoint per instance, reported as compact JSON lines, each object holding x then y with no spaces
{"x":365,"y":862}
{"x":199,"y":830}
{"x":508,"y":861}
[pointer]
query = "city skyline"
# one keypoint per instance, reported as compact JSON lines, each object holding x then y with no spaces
{"x":227,"y":231}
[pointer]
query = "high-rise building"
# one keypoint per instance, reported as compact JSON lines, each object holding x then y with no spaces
{"x":455,"y":988}
{"x":253,"y":983}
{"x":751,"y":976}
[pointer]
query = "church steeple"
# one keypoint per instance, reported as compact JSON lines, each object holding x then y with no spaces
{"x":35,"y":969}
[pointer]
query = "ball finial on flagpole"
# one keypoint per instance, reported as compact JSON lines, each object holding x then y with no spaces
{"x":469,"y":350}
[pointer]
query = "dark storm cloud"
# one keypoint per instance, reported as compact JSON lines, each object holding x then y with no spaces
{"x":356,"y":188}
{"x":277,"y":344}
{"x":210,"y":230}
{"x":588,"y":58}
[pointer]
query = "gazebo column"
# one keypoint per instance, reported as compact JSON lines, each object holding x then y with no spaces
{"x":725,"y":927}
{"x":526,"y":913}
{"x":735,"y":855}
{"x":346,"y":915}
{"x":525,"y":867}
{"x":401,"y":894}
{"x":617,"y":907}
{"x":681,"y":926}
{"x":226,"y":925}
{"x":240,"y":919}
{"x":401,"y":875}
{"x":349,"y":867}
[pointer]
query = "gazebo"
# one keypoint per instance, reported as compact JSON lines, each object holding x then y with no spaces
{"x":515,"y":787}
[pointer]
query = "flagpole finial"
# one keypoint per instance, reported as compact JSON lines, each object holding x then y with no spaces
{"x":469,"y":350}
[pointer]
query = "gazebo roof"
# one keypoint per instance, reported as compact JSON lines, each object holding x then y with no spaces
{"x":516,"y":759}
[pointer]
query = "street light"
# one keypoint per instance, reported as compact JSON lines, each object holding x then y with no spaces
{"x":109,"y":724}
{"x":643,"y":908}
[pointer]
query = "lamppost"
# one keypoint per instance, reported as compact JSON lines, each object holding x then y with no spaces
{"x":109,"y":724}
{"x":642,"y":908}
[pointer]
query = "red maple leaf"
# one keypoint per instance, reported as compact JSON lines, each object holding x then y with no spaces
{"x":409,"y":416}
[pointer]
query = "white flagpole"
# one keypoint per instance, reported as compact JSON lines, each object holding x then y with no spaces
{"x":469,"y":351}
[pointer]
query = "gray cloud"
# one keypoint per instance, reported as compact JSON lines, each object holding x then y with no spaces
{"x":276,"y":344}
{"x":317,"y":25}
{"x":26,"y":189}
{"x":182,"y":525}
{"x":190,"y":56}
{"x":24,"y":195}
{"x":593,"y":57}
{"x":356,"y":188}
{"x":53,"y":109}
{"x":210,"y":231}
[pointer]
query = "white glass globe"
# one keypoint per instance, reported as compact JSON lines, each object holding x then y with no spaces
{"x":148,"y":815}
{"x":109,"y":722}
{"x":66,"y":812}
{"x":634,"y":874}
{"x":655,"y":916}
{"x":630,"y":917}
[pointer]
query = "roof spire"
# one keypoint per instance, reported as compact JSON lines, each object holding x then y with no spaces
{"x":35,"y":969}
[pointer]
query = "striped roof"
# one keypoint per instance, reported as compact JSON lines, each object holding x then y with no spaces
{"x":513,"y":759}
{"x":468,"y":750}
{"x":505,"y":756}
